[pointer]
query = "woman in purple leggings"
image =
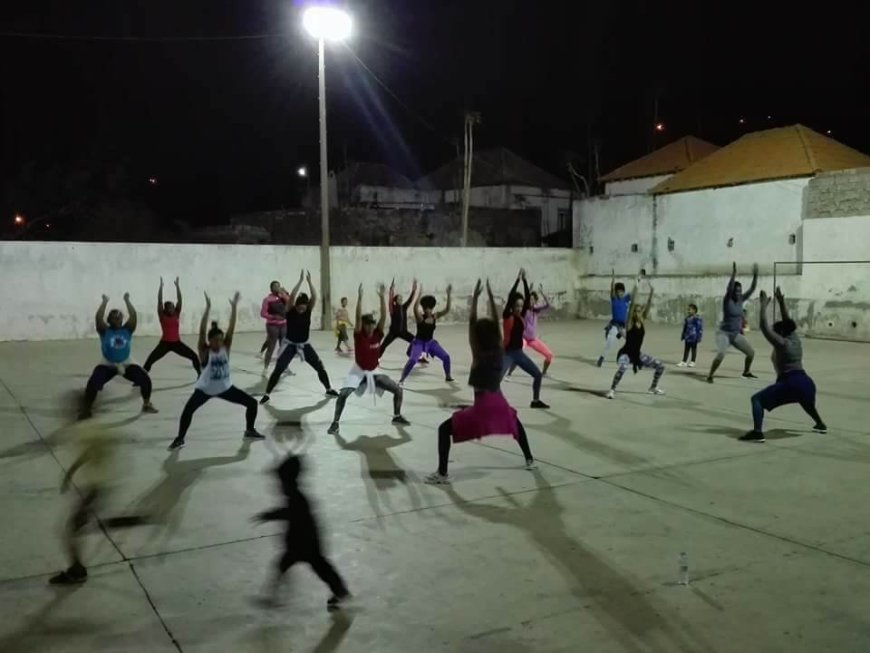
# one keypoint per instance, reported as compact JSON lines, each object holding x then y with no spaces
{"x":424,"y":342}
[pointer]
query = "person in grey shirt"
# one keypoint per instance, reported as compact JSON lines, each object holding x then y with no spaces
{"x":793,"y":385}
{"x":729,"y":330}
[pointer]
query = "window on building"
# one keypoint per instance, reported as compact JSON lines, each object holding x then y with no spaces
{"x":564,"y":220}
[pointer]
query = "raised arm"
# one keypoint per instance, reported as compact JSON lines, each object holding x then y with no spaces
{"x":132,"y":317}
{"x":231,"y":329}
{"x":648,"y":301}
{"x":202,"y":343}
{"x":177,"y":296}
{"x":546,"y":299}
{"x":472,"y":317}
{"x":780,"y":299}
{"x":446,"y":310}
{"x":772,"y":337}
{"x":511,"y":293}
{"x":100,"y":317}
{"x":411,"y":296}
{"x":295,"y":290}
{"x":527,"y":296}
{"x":312,"y":293}
{"x":358,"y":313}
{"x":633,"y":297}
{"x":382,"y":318}
{"x":612,"y":283}
{"x":730,"y":290}
{"x":160,"y":298}
{"x":392,"y":290}
{"x":751,"y":290}
{"x":493,"y":311}
{"x":417,"y":314}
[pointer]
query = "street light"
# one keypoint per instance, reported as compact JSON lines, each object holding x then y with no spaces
{"x":302,"y":172}
{"x":325,"y":24}
{"x":19,"y":219}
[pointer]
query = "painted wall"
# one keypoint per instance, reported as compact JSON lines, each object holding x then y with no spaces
{"x":633,"y":186}
{"x":51,"y":290}
{"x":605,"y":228}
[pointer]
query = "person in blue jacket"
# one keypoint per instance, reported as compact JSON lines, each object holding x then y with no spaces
{"x":693,"y":332}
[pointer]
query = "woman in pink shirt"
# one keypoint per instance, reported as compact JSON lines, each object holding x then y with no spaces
{"x":169,"y":315}
{"x":274,"y":311}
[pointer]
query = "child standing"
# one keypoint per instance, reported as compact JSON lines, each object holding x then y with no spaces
{"x":342,"y":321}
{"x":693,"y":331}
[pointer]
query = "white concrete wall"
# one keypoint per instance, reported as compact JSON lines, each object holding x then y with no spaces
{"x":759,"y":217}
{"x":606,"y":227}
{"x":51,"y":290}
{"x":633,"y":186}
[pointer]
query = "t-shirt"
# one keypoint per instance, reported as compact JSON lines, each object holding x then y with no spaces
{"x":298,"y":325}
{"x":366,"y":349}
{"x":619,"y":308}
{"x":116,"y":344}
{"x":170,"y":324}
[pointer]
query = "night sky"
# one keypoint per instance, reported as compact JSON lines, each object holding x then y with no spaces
{"x":223,"y":124}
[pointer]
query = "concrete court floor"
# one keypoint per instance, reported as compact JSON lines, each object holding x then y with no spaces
{"x":581,"y":555}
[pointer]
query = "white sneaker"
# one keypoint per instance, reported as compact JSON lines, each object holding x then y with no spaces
{"x":656,"y":391}
{"x":437,"y":479}
{"x":610,"y":394}
{"x":682,"y":364}
{"x":692,"y":364}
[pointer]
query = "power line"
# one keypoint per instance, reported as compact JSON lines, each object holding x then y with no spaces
{"x":140,"y":39}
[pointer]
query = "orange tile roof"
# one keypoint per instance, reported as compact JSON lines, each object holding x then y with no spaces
{"x":781,"y":153}
{"x":673,"y":157}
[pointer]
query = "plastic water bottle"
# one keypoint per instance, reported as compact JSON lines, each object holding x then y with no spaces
{"x":684,"y":568}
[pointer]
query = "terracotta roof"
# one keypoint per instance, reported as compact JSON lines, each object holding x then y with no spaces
{"x":673,"y":157}
{"x":782,"y":153}
{"x":493,"y":167}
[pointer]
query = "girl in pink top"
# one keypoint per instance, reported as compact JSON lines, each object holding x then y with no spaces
{"x":530,"y":333}
{"x":274,"y":311}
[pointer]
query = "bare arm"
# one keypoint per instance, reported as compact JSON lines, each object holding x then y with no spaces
{"x":160,"y":298}
{"x":612,"y":284}
{"x":295,"y":290}
{"x":417,"y":315}
{"x":752,"y":287}
{"x":780,"y":299}
{"x":730,"y":290}
{"x":472,"y":318}
{"x":648,"y":302}
{"x":202,"y":343}
{"x":382,"y":318}
{"x":411,"y":296}
{"x":511,"y":293}
{"x":358,"y":312}
{"x":493,"y":310}
{"x":231,"y":329}
{"x":312,"y":293}
{"x":527,"y":296}
{"x":545,"y":298}
{"x":772,"y":337}
{"x":177,"y":296}
{"x":132,"y":317}
{"x":446,"y":310}
{"x":100,"y":317}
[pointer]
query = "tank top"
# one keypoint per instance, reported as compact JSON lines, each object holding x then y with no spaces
{"x":116,"y":344}
{"x":298,"y":325}
{"x":486,"y":371}
{"x":633,"y":343}
{"x":215,"y":376}
{"x":425,"y":330}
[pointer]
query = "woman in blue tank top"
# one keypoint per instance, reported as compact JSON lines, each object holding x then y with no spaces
{"x":116,"y":339}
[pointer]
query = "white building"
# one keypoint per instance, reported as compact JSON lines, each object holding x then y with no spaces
{"x":374,"y":185}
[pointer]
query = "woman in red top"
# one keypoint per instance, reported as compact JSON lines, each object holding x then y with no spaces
{"x":364,"y":376}
{"x":169,"y":315}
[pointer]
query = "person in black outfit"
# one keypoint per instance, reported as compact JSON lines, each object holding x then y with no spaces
{"x":398,"y":317}
{"x":302,"y":538}
{"x":298,"y":330}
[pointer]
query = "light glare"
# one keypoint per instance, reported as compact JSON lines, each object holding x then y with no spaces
{"x":327,"y":23}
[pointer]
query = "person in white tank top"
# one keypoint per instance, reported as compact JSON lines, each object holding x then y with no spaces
{"x":214,"y":380}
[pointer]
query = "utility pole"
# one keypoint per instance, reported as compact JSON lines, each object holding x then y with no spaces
{"x":472,"y":118}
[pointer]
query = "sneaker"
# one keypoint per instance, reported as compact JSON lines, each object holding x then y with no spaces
{"x":749,"y":375}
{"x":537,"y":403}
{"x":85,"y":413}
{"x":682,"y":364}
{"x":149,"y":408}
{"x":75,"y":575}
{"x":437,"y":479}
{"x":709,"y":379}
{"x":691,"y":364}
{"x":398,"y":419}
{"x":820,"y":428}
{"x":531,"y":464}
{"x":177,"y":443}
{"x":449,"y":379}
{"x":656,"y":391}
{"x":335,"y":602}
{"x":753,"y":436}
{"x":331,"y":393}
{"x":254,"y":434}
{"x":333,"y":429}
{"x":610,"y":394}
{"x":600,"y":361}
{"x":264,"y":399}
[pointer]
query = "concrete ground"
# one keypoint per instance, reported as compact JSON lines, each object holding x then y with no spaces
{"x":580,"y":555}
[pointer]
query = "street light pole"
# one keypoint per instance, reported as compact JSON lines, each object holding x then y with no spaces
{"x":325,"y":283}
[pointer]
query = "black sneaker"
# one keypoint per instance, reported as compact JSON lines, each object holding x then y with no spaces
{"x":600,"y":361}
{"x":537,"y":403}
{"x":398,"y":419}
{"x":709,"y":379}
{"x":331,"y":393}
{"x":264,"y":399}
{"x":254,"y":434}
{"x":449,"y":379}
{"x":333,"y":429}
{"x":177,"y":443}
{"x":753,"y":436}
{"x":820,"y":428}
{"x":749,"y":375}
{"x":75,"y":575}
{"x":335,"y":602}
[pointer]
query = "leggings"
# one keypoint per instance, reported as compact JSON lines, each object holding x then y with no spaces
{"x":725,"y":339}
{"x":233,"y":395}
{"x":177,"y":347}
{"x":275,"y":334}
{"x":445,"y":436}
{"x":319,"y":564}
{"x":382,"y":381}
{"x":102,"y":374}
{"x":690,"y":348}
{"x":431,"y":347}
{"x":518,"y":357}
{"x":612,"y":333}
{"x":541,"y":348}
{"x":392,"y":335}
{"x":790,"y":388}
{"x":287,"y":355}
{"x":624,"y":363}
